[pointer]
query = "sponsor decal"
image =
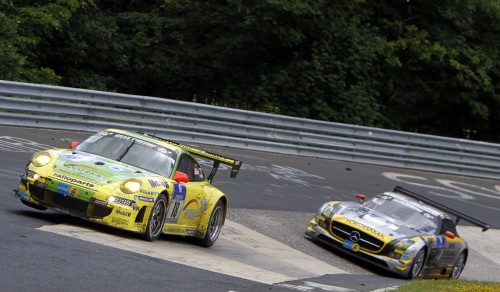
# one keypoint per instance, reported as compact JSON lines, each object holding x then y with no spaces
{"x":179,"y":192}
{"x":406,"y":256}
{"x":122,"y":201}
{"x":40,"y":184}
{"x":116,"y":168}
{"x":22,"y":194}
{"x":190,"y":214}
{"x":440,"y":242}
{"x":140,"y":227}
{"x":144,"y":199}
{"x":174,"y":230}
{"x":366,"y":228}
{"x":98,"y":202}
{"x":175,"y":206}
{"x":190,"y":232}
{"x":203,"y":205}
{"x":82,"y":169}
{"x":122,"y":213}
{"x":157,"y":183}
{"x":350,"y":245}
{"x":73,"y":192}
{"x":119,"y":221}
{"x":74,"y":180}
{"x":63,"y":188}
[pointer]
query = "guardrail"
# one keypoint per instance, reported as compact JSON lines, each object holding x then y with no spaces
{"x":35,"y":105}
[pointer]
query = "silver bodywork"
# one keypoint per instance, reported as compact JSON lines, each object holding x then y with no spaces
{"x":387,"y":242}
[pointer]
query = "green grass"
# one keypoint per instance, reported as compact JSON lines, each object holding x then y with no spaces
{"x":449,"y":286}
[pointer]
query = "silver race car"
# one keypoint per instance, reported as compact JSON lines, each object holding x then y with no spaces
{"x":400,"y":231}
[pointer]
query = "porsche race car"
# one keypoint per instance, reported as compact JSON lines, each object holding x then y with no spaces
{"x":133,"y":181}
{"x":399,"y":231}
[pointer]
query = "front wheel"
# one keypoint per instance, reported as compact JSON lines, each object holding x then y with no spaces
{"x":459,"y":266}
{"x":156,"y":219}
{"x":214,"y":225}
{"x":417,"y":265}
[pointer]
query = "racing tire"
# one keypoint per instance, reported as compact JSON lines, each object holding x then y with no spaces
{"x":459,"y":266}
{"x":417,"y":264}
{"x":156,"y":219}
{"x":214,"y":225}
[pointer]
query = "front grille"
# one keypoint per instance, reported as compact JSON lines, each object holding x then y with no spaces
{"x":37,"y":192}
{"x":360,"y":255}
{"x":73,"y":205}
{"x":366,"y":241}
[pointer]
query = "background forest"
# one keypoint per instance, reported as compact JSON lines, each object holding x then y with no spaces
{"x":414,"y":65}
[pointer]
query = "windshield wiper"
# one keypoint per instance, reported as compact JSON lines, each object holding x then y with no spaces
{"x":126,"y":151}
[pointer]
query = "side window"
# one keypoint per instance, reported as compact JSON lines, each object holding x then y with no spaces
{"x":198,"y":172}
{"x":184,"y":165}
{"x":190,"y":167}
{"x":448,"y":225}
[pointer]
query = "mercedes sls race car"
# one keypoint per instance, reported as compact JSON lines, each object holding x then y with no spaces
{"x":133,"y":181}
{"x":399,"y":231}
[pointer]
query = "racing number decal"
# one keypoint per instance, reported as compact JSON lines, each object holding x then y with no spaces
{"x":175,"y":207}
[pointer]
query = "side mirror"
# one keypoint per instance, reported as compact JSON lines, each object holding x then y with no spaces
{"x":180,"y":176}
{"x":449,"y":234}
{"x":361,"y":198}
{"x":73,"y":144}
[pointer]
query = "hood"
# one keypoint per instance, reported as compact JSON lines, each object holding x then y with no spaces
{"x":370,"y":221}
{"x":95,"y":169}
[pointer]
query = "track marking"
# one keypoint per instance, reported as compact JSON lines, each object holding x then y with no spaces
{"x":239,"y":252}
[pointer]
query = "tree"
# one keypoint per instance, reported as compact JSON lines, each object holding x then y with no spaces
{"x":442,"y":69}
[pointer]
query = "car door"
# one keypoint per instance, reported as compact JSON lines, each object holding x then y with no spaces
{"x":186,"y":204}
{"x":443,"y":249}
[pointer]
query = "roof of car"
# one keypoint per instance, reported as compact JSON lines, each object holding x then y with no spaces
{"x":415,"y":203}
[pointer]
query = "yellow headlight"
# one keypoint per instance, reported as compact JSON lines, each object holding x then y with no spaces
{"x":41,"y":159}
{"x":131,"y":186}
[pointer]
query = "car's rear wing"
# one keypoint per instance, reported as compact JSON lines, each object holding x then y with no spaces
{"x":444,"y":208}
{"x":216,"y":158}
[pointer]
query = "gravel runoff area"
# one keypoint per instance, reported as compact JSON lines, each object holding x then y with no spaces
{"x":288,"y":227}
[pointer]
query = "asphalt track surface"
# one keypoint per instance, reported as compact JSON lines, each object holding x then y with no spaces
{"x":262,"y":247}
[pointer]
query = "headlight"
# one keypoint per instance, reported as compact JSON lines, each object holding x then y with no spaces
{"x":131,"y":186}
{"x":320,"y":211}
{"x":41,"y":159}
{"x":404,"y":244}
{"x":400,"y":249}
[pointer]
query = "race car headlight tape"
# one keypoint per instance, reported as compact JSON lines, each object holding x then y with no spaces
{"x":131,"y":186}
{"x":400,"y":248}
{"x":41,"y":159}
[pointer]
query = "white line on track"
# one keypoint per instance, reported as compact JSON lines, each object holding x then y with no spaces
{"x":239,"y":252}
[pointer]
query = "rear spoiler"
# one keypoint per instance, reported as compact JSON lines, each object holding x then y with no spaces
{"x":216,"y":158}
{"x":444,"y":208}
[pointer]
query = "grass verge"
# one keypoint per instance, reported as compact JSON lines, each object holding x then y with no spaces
{"x":449,"y":286}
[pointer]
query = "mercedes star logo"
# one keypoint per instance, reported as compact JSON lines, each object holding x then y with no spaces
{"x":354,"y":236}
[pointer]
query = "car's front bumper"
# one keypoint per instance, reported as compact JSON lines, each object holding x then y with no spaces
{"x":82,"y":203}
{"x":387,"y":263}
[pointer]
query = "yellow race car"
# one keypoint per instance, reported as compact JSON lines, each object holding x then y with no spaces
{"x":400,"y":231}
{"x":133,"y":181}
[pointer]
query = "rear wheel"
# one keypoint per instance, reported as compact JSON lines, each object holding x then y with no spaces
{"x":156,"y":218}
{"x":214,"y":225}
{"x":459,"y":266}
{"x":417,"y":265}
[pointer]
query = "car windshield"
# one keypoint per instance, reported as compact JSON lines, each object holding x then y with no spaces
{"x":404,"y":212}
{"x":132,"y":151}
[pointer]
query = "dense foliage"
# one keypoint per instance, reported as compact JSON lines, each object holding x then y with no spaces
{"x":414,"y":65}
